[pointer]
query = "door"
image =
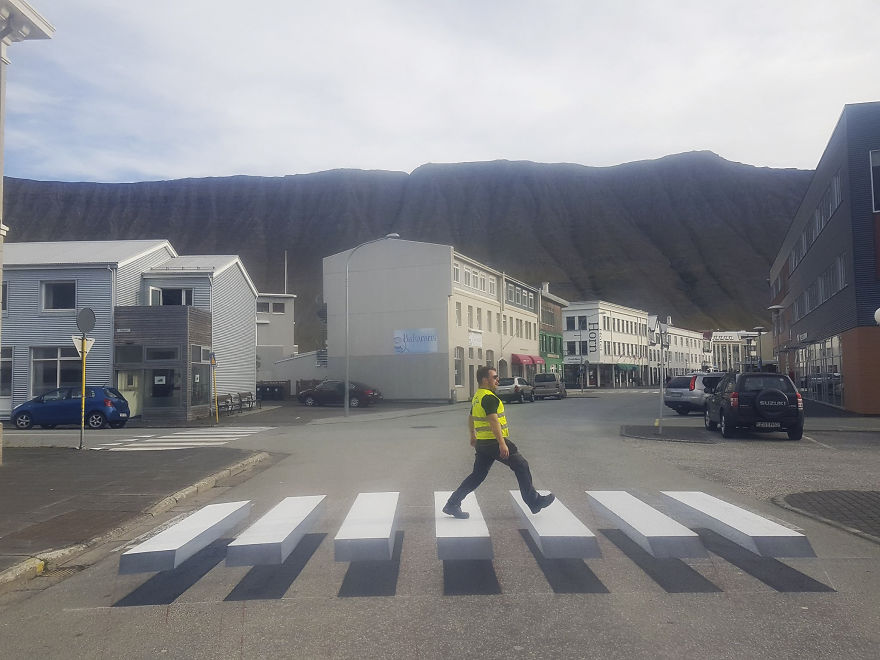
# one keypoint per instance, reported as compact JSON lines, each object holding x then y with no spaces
{"x":471,"y":379}
{"x":129,"y":385}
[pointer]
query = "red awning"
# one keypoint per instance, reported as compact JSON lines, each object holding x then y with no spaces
{"x":518,"y":358}
{"x":538,"y":359}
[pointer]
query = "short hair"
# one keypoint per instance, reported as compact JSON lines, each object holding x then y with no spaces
{"x":483,"y":372}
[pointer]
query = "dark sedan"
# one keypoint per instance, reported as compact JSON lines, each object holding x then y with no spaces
{"x":104,"y":405}
{"x":333,"y":391}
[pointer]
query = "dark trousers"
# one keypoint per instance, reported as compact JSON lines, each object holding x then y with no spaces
{"x":487,"y":453}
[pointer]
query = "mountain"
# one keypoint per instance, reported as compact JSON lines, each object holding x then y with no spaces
{"x":690,"y":235}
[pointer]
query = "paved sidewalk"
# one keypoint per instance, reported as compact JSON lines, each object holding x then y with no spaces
{"x":58,"y":501}
{"x":857,"y":511}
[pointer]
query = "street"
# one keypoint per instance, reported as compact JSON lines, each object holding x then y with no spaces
{"x":625,"y":604}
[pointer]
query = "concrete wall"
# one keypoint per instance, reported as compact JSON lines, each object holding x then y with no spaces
{"x":394,"y":285}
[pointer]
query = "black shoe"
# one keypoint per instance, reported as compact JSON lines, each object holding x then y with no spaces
{"x":455,"y":511}
{"x":542,"y":502}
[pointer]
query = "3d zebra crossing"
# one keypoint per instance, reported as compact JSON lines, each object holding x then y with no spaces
{"x":369,"y":529}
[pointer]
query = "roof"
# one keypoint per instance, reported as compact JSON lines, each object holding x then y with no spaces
{"x":79,"y":253}
{"x":200,"y":265}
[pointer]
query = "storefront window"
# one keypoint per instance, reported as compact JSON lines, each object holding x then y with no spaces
{"x":818,"y":372}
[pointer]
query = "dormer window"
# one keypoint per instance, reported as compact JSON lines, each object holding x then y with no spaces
{"x":166,"y":297}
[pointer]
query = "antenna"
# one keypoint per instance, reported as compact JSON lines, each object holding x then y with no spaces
{"x":285,"y":271}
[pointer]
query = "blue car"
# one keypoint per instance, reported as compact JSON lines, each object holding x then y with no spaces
{"x":104,"y":405}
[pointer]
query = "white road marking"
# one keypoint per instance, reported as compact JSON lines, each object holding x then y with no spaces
{"x":806,"y":437}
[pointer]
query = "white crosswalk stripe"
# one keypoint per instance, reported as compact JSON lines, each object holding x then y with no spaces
{"x":189,"y":439}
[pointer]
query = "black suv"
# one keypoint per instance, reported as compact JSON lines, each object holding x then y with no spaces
{"x":757,"y":401}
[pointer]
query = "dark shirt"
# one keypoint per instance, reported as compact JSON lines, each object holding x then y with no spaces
{"x":490,"y":403}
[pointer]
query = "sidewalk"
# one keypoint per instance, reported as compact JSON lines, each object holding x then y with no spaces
{"x":57,"y":502}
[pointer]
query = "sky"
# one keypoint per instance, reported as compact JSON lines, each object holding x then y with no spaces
{"x":168,"y":89}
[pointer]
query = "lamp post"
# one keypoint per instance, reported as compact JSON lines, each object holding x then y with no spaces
{"x":760,"y":329}
{"x":347,"y":337}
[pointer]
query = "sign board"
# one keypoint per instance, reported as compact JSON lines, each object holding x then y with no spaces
{"x":415,"y":341}
{"x":85,"y":320}
{"x":77,"y":342}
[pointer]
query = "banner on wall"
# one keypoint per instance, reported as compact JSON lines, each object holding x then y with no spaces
{"x":415,"y":341}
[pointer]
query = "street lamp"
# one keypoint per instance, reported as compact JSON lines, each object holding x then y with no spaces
{"x":347,"y":337}
{"x":760,"y":329}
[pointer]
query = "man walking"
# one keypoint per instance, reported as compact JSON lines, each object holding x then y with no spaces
{"x":490,"y":440}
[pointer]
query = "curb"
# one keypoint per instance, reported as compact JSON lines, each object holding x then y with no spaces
{"x":779,"y":500}
{"x":379,"y":416}
{"x":34,"y":566}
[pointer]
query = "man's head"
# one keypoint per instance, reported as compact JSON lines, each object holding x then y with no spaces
{"x":487,"y":377}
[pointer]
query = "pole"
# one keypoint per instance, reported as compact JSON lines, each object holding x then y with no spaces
{"x":82,"y":415}
{"x":214,"y":379}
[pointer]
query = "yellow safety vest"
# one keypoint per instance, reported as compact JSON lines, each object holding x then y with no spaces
{"x":481,"y":417}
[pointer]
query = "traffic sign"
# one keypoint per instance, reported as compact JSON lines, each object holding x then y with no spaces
{"x":85,"y":320}
{"x":77,"y":342}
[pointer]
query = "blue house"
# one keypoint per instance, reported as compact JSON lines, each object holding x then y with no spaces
{"x":159,"y":318}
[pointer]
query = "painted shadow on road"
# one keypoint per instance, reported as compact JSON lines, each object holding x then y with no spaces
{"x":565,"y":576}
{"x":673,"y":575}
{"x":768,"y":570}
{"x":272,"y":582}
{"x":469,"y":577}
{"x":167,"y":586}
{"x":373,"y":577}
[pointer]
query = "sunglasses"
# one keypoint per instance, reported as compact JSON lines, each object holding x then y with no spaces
{"x":496,"y":377}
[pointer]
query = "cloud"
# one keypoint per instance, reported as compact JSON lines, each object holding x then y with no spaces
{"x":133,"y":91}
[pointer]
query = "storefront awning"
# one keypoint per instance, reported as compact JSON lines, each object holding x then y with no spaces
{"x":518,"y":358}
{"x":538,"y":359}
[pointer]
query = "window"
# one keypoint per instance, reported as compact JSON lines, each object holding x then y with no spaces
{"x":4,"y":296}
{"x":59,"y":295}
{"x":528,"y":330}
{"x":467,"y":277}
{"x":458,"y":364}
{"x":570,"y":348}
{"x":531,"y":301}
{"x":479,"y":318}
{"x":129,"y":353}
{"x":456,"y":273}
{"x":582,"y":322}
{"x":6,"y":371}
{"x":55,"y":367}
{"x":519,"y":293}
{"x":471,"y":352}
{"x":875,"y":179}
{"x":584,"y":348}
{"x":277,"y":308}
{"x":488,"y":321}
{"x":482,"y":282}
{"x":569,"y":323}
{"x":171,"y":297}
{"x":491,"y":286}
{"x":458,"y":314}
{"x":162,"y":353}
{"x":505,"y":325}
{"x":263,"y":307}
{"x":470,"y":316}
{"x":490,"y":358}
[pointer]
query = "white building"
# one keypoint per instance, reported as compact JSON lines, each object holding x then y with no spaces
{"x":422,"y":317}
{"x":275,"y":332}
{"x":741,"y":350}
{"x":686,"y":351}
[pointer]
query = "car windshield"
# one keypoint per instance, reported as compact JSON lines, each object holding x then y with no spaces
{"x":758,"y":383}
{"x":506,"y":381}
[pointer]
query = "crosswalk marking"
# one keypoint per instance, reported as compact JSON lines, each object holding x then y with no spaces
{"x":369,"y":528}
{"x":188,"y":439}
{"x":457,"y":538}
{"x":556,"y":531}
{"x":273,"y":537}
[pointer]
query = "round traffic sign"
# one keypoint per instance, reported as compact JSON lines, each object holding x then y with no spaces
{"x":85,"y":320}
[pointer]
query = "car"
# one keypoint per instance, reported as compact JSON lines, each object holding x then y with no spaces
{"x":515,"y":389}
{"x":757,"y":401}
{"x":549,"y":384}
{"x":333,"y":391}
{"x":686,"y":393}
{"x":104,"y":406}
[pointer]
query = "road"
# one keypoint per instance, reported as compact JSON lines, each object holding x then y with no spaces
{"x":623,"y":605}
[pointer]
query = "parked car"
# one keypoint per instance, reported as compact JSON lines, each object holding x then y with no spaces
{"x":104,"y":405}
{"x":333,"y":391}
{"x":515,"y":389}
{"x":757,"y":401}
{"x":686,"y":393}
{"x":549,"y":384}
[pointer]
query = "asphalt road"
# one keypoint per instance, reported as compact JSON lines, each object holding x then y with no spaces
{"x":624,"y":605}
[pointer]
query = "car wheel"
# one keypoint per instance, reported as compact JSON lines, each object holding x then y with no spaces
{"x":310,"y":401}
{"x":796,"y":433}
{"x":117,"y":425}
{"x":532,"y":397}
{"x":95,"y":420}
{"x":707,"y":422}
{"x":47,"y":426}
{"x":726,"y":428}
{"x":23,"y":421}
{"x":354,"y":402}
{"x":522,"y":398}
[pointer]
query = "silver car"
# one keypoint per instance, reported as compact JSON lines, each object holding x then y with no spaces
{"x":515,"y":389}
{"x":686,"y":393}
{"x":549,"y":384}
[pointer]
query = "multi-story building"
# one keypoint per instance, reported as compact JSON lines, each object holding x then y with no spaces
{"x":825,"y":279}
{"x":550,"y":326}
{"x":606,"y":345}
{"x":159,"y":319}
{"x":275,"y":332}
{"x":686,"y":351}
{"x":422,"y":317}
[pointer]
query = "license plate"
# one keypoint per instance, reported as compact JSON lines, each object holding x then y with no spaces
{"x":767,"y":425}
{"x":123,"y":414}
{"x":675,"y":395}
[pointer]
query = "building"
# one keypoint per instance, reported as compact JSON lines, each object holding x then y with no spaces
{"x":422,"y":317}
{"x":275,"y":333}
{"x":825,"y":279}
{"x":550,"y":325}
{"x":686,"y":351}
{"x":160,"y":318}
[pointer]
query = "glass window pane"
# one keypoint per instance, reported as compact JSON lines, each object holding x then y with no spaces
{"x":129,"y":354}
{"x":163,"y":353}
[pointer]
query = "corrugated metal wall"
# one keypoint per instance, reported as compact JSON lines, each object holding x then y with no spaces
{"x":234,"y":332}
{"x":26,"y":325}
{"x":201,"y":287}
{"x":128,"y":278}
